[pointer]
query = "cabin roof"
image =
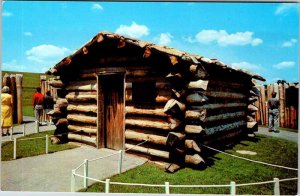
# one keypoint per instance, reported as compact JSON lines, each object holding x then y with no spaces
{"x":192,"y":58}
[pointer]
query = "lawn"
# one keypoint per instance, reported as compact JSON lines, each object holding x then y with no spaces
{"x":30,"y":148}
{"x":30,"y":82}
{"x":221,"y":170}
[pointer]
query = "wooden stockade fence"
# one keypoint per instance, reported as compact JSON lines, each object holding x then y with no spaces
{"x":287,"y":93}
{"x":14,"y":82}
{"x":44,"y":84}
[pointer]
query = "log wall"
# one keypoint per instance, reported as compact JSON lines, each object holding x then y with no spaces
{"x":287,"y":93}
{"x":14,"y":82}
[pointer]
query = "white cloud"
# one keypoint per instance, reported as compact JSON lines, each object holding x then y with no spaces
{"x":285,"y":8}
{"x":96,"y":6}
{"x":289,"y":43}
{"x":47,"y":54}
{"x":164,"y":39}
{"x":13,"y":65}
{"x":6,"y":14}
{"x":246,"y":65}
{"x":284,"y":65}
{"x":29,"y":34}
{"x":134,"y":30}
{"x":223,"y":38}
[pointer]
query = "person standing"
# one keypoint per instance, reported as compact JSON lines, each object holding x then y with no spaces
{"x":6,"y":111}
{"x":48,"y":104}
{"x":38,"y":104}
{"x":273,"y":105}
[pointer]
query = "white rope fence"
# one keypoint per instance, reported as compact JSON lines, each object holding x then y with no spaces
{"x":33,"y":138}
{"x":260,"y":162}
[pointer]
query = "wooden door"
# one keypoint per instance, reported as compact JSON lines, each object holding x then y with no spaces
{"x":111,"y":111}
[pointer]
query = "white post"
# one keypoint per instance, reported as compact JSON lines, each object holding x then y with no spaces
{"x":232,"y":188}
{"x":85,"y":173}
{"x":167,"y":187}
{"x":15,"y":148}
{"x":11,"y":133}
{"x":73,"y":181}
{"x":37,"y":124}
{"x":47,"y":144}
{"x":107,"y":185}
{"x":23,"y":129}
{"x":276,"y":187}
{"x":120,"y":161}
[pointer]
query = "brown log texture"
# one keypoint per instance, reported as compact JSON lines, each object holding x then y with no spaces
{"x":82,"y":138}
{"x":85,"y":129}
{"x":82,"y":118}
{"x":82,"y":108}
{"x":137,"y":111}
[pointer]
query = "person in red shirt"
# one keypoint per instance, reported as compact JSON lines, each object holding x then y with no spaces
{"x":38,"y":104}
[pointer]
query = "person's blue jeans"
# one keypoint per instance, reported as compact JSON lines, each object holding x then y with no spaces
{"x":273,"y":119}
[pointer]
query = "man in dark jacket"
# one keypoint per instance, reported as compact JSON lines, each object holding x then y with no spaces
{"x":273,"y":105}
{"x":48,"y":104}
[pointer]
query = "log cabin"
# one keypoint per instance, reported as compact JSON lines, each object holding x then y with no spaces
{"x":115,"y":92}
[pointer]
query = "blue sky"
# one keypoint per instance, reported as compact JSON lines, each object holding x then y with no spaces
{"x":259,"y":37}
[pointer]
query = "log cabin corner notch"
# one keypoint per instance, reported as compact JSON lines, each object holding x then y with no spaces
{"x":116,"y":92}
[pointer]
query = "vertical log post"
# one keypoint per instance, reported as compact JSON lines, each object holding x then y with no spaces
{"x":13,"y":93}
{"x":19,"y":78}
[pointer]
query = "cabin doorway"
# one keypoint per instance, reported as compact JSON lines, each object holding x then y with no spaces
{"x":111,"y":111}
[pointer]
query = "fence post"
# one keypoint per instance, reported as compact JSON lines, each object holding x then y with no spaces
{"x":11,"y":133}
{"x":73,"y":181}
{"x":37,"y":124}
{"x":47,"y":144}
{"x":15,"y":148}
{"x":107,"y":185}
{"x":23,"y":129}
{"x":85,"y":172}
{"x":167,"y":187}
{"x":276,"y":187}
{"x":232,"y":188}
{"x":120,"y":161}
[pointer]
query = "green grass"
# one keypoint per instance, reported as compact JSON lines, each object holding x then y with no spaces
{"x":221,"y":170}
{"x":30,"y":148}
{"x":30,"y":82}
{"x":282,"y":128}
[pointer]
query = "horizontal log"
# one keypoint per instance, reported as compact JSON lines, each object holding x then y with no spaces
{"x":226,"y":127}
{"x":196,"y":98}
{"x":61,"y":103}
{"x":193,"y":129}
{"x":82,"y":108}
{"x":191,"y":144}
{"x":190,"y":159}
{"x":81,"y":97}
{"x":88,"y":75}
{"x":136,"y":136}
{"x":225,"y":116}
{"x":219,"y":106}
{"x":226,"y":84}
{"x":62,"y":121}
{"x":225,"y":95}
{"x":143,"y":123}
{"x":251,"y":125}
{"x":252,"y":99}
{"x":82,"y":118}
{"x":89,"y":85}
{"x":85,"y":129}
{"x":152,"y":112}
{"x":55,"y":113}
{"x":172,"y":167}
{"x":199,"y":84}
{"x":252,"y":107}
{"x":173,"y":106}
{"x":162,"y":95}
{"x":195,"y":114}
{"x":56,"y":83}
{"x":179,"y":93}
{"x":198,"y":71}
{"x":82,"y":138}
